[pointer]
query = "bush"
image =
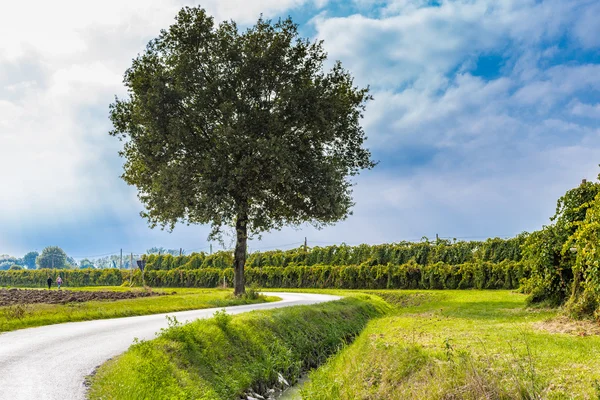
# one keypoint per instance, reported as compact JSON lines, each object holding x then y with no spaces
{"x":423,"y":253}
{"x":75,"y":277}
{"x":472,"y":275}
{"x":556,"y":271}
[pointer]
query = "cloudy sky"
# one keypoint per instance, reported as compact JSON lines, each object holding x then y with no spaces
{"x":485,"y":112}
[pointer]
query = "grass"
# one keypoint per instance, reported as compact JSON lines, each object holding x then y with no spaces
{"x":226,"y":356}
{"x":30,"y":315}
{"x":460,"y":345}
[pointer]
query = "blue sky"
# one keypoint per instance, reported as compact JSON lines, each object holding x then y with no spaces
{"x":485,"y":112}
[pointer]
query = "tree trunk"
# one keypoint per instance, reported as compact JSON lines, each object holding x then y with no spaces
{"x":240,"y":253}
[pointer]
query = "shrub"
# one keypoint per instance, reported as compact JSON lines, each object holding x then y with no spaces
{"x":471,"y":275}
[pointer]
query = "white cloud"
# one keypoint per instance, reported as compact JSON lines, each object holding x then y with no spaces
{"x":61,"y":63}
{"x":587,"y":28}
{"x":497,"y":151}
{"x":586,"y":110}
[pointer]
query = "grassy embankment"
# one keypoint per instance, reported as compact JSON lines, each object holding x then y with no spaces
{"x":222,"y":357}
{"x":30,"y":315}
{"x":463,"y":345}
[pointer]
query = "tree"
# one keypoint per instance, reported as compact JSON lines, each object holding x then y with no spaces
{"x":52,"y":257}
{"x":240,"y":129}
{"x":85,"y":263}
{"x":71,"y":262}
{"x":29,"y":259}
{"x":585,"y":292}
{"x":7,"y":261}
{"x":548,"y":253}
{"x":162,"y":250}
{"x":15,"y":267}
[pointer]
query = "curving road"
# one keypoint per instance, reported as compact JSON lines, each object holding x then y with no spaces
{"x":51,"y":362}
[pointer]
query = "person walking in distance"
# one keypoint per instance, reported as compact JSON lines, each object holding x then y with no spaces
{"x":58,"y":281}
{"x":49,"y":281}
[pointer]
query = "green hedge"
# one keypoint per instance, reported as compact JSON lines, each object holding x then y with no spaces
{"x":74,"y":277}
{"x":473,"y":275}
{"x":423,"y":253}
{"x":479,"y":275}
{"x":220,"y":259}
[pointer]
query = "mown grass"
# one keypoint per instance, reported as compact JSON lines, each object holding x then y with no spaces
{"x":460,"y":345}
{"x":179,"y":299}
{"x":223,"y":357}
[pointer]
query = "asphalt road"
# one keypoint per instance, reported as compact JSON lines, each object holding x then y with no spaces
{"x":51,"y":362}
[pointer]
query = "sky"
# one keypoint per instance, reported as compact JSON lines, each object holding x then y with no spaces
{"x":484,"y":113}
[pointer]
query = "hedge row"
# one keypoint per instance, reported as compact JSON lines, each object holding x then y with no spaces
{"x":477,"y":275}
{"x":71,"y":277}
{"x":423,"y":253}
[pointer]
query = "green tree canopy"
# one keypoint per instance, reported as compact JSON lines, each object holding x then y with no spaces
{"x":29,"y":259}
{"x":86,"y":263}
{"x":548,"y":251}
{"x":242,"y":129}
{"x":7,"y":261}
{"x":52,"y":257}
{"x":585,"y":293}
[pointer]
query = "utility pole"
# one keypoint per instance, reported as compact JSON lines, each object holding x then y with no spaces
{"x":180,"y":251}
{"x":211,"y":248}
{"x":305,"y":244}
{"x":437,"y":238}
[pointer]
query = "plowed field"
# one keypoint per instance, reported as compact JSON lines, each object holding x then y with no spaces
{"x":32,"y":296}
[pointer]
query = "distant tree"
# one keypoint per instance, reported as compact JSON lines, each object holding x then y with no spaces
{"x":15,"y":267}
{"x":7,"y":261}
{"x":156,"y":250}
{"x":162,"y":250}
{"x":29,"y":259}
{"x":52,"y":257}
{"x":71,"y":262}
{"x":240,"y":129}
{"x":85,"y":263}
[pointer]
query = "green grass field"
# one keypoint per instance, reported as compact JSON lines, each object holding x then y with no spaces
{"x":447,"y":344}
{"x":462,"y":345}
{"x":223,"y":357}
{"x":18,"y":317}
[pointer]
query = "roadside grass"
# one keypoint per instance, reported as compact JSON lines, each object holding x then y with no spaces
{"x":179,"y":299}
{"x":460,"y":345}
{"x":226,"y":356}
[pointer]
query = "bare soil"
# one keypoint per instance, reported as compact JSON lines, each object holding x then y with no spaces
{"x":10,"y":297}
